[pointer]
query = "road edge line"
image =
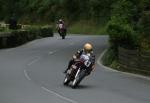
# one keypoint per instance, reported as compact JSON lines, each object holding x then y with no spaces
{"x":26,"y":75}
{"x":58,"y":95}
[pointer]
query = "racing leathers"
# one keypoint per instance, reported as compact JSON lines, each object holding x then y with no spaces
{"x":77,"y":56}
{"x":61,"y":25}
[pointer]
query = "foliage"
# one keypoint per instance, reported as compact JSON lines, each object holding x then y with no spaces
{"x":46,"y":32}
{"x":84,"y":27}
{"x":121,"y":34}
{"x":50,"y":10}
{"x":129,"y":27}
{"x":144,"y":24}
{"x":121,"y":27}
{"x":18,"y":37}
{"x":108,"y":57}
{"x":144,"y":30}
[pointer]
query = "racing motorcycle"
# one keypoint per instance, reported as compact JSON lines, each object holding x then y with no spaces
{"x":62,"y":30}
{"x":78,"y":71}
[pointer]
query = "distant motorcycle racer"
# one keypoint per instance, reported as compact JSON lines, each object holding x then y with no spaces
{"x":61,"y":28}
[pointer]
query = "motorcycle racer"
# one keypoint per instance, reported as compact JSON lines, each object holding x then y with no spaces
{"x":87,"y":50}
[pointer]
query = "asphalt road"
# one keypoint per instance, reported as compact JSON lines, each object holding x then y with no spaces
{"x":32,"y":73}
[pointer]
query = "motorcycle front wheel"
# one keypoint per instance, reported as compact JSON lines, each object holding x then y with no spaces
{"x":66,"y":80}
{"x":63,"y":36}
{"x":78,"y":79}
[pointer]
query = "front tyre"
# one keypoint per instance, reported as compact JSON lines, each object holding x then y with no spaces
{"x":78,"y":79}
{"x":63,"y":36}
{"x":75,"y":83}
{"x":66,"y":80}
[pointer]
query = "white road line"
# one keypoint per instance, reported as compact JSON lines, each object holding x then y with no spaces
{"x":52,"y":52}
{"x":34,"y":61}
{"x":58,"y":95}
{"x":71,"y":43}
{"x":26,"y":75}
{"x":99,"y":62}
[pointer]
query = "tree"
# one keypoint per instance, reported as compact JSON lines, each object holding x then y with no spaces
{"x":121,"y":27}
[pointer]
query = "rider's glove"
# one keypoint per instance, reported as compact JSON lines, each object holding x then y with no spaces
{"x":74,"y":57}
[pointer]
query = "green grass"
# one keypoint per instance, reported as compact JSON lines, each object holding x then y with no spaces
{"x":82,"y":27}
{"x":108,"y":57}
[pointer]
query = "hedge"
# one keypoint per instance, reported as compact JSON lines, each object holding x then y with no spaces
{"x":19,"y":37}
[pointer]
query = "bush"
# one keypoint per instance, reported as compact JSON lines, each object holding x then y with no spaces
{"x":46,"y":32}
{"x":144,"y":30}
{"x":39,"y":31}
{"x":121,"y":28}
{"x":2,"y":29}
{"x":19,"y":37}
{"x":121,"y":35}
{"x":33,"y":33}
{"x":144,"y":23}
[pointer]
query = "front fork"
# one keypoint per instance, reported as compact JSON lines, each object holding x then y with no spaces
{"x":77,"y":73}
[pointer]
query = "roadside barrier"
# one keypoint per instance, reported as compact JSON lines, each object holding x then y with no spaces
{"x":134,"y":60}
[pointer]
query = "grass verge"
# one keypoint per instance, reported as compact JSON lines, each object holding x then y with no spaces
{"x":83,"y":27}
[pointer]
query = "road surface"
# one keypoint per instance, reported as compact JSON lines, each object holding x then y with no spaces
{"x":32,"y":73}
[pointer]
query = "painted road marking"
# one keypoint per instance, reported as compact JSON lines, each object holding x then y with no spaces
{"x":58,"y":95}
{"x":99,"y":62}
{"x":71,"y":43}
{"x":34,"y":61}
{"x":52,"y":52}
{"x":26,"y":75}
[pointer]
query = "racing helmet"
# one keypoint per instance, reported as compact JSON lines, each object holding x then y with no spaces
{"x":60,"y":20}
{"x":87,"y":47}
